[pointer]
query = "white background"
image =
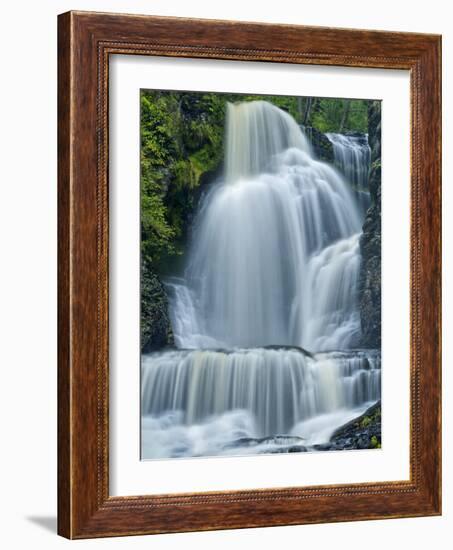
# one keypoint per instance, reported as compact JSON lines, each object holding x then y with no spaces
{"x":28,"y":271}
{"x":129,"y":475}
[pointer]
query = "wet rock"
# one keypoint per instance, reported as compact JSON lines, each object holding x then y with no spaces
{"x":270,"y":444}
{"x":297,"y":449}
{"x":322,"y":146}
{"x":363,"y":432}
{"x":155,"y":324}
{"x":324,"y":447}
{"x":284,"y":450}
{"x":295,"y":348}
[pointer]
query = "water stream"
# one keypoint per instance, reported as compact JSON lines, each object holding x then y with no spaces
{"x":352,"y":156}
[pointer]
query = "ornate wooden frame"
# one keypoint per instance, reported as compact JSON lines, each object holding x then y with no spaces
{"x":85,"y":41}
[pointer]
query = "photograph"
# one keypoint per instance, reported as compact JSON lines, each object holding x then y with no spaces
{"x":260,"y":274}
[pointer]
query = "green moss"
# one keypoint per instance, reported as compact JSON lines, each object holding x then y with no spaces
{"x":205,"y":160}
{"x":366,"y":421}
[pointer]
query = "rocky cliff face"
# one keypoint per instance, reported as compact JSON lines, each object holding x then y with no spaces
{"x":370,"y":243}
{"x":155,"y":324}
{"x":322,"y":147}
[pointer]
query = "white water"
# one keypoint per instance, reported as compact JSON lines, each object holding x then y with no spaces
{"x":256,"y":133}
{"x":274,"y":261}
{"x":224,"y":401}
{"x":263,"y":237}
{"x":352,"y":156}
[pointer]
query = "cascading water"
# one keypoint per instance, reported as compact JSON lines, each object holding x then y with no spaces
{"x":352,"y":156}
{"x":280,"y":218}
{"x":214,"y":402}
{"x":274,"y":262}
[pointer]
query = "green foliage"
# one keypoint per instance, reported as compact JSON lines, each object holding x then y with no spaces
{"x":339,"y":115}
{"x":157,"y":234}
{"x":157,"y":128}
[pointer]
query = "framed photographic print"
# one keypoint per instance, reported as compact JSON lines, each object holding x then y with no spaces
{"x":249,"y":275}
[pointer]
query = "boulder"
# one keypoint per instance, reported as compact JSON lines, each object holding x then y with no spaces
{"x":155,"y":324}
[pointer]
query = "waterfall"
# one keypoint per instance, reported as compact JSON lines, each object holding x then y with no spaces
{"x":274,"y":262}
{"x":256,"y":133}
{"x":352,"y":155}
{"x":271,"y":392}
{"x":279,"y":217}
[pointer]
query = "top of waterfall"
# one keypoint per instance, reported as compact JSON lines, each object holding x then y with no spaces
{"x":353,"y":140}
{"x":256,"y":131}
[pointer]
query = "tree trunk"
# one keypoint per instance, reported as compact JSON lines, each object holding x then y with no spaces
{"x":299,"y":109}
{"x":308,"y":105}
{"x":345,"y":116}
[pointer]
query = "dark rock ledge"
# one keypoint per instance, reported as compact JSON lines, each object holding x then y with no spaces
{"x":363,"y":432}
{"x":156,"y":331}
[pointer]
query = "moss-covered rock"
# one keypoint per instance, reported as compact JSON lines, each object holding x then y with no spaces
{"x":181,"y":150}
{"x":362,"y":433}
{"x":155,"y":324}
{"x":322,"y":146}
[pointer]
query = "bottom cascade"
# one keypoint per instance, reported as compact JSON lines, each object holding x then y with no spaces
{"x":214,"y":402}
